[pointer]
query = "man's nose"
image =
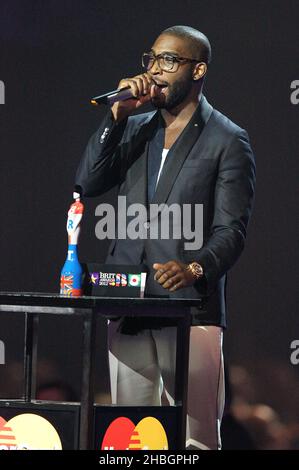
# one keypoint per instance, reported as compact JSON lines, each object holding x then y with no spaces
{"x":155,"y":68}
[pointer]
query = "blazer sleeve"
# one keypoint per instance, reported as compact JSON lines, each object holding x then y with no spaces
{"x":100,"y":167}
{"x":233,"y":202}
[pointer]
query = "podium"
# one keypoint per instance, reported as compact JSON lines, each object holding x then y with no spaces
{"x":182,"y":312}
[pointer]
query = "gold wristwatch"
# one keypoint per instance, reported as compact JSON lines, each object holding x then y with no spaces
{"x":196,"y":269}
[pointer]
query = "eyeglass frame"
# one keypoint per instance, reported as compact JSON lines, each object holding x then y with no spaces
{"x":179,"y":60}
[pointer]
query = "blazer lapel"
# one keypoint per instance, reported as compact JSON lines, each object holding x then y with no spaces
{"x":180,"y":150}
{"x":138,"y":183}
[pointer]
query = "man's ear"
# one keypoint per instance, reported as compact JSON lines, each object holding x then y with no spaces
{"x":199,"y":71}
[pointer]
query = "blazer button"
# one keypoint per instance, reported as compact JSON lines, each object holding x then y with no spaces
{"x":104,"y":135}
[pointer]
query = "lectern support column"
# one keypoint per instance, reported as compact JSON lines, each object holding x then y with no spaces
{"x":87,"y":387}
{"x":182,"y":370}
{"x":30,"y":355}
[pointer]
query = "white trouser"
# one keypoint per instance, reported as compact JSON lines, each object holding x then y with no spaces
{"x":142,"y":368}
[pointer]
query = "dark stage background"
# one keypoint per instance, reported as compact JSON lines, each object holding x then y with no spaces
{"x":55,"y":55}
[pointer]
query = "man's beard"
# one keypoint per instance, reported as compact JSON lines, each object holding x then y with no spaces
{"x":176,"y":94}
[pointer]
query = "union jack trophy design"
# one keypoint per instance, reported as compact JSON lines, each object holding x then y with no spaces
{"x":71,"y":274}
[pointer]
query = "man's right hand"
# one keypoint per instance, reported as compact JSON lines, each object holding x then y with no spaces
{"x":140,"y":87}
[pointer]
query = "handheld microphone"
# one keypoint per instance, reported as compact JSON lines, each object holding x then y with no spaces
{"x":111,"y":97}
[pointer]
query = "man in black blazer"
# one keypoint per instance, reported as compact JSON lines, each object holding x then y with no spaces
{"x":184,"y":154}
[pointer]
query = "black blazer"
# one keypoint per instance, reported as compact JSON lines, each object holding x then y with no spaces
{"x":211,"y":163}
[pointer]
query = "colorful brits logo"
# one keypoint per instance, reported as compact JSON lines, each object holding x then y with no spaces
{"x":115,"y":279}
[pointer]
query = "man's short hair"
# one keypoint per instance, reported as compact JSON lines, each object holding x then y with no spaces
{"x":200,"y":46}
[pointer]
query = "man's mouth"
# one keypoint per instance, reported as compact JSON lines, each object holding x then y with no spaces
{"x":160,"y":84}
{"x":159,"y":88}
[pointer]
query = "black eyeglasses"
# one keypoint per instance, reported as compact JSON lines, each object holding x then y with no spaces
{"x":166,"y":62}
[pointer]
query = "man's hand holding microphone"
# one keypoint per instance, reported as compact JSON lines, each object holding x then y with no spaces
{"x":142,"y":88}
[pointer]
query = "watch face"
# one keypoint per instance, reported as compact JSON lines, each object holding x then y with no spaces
{"x":196,"y":269}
